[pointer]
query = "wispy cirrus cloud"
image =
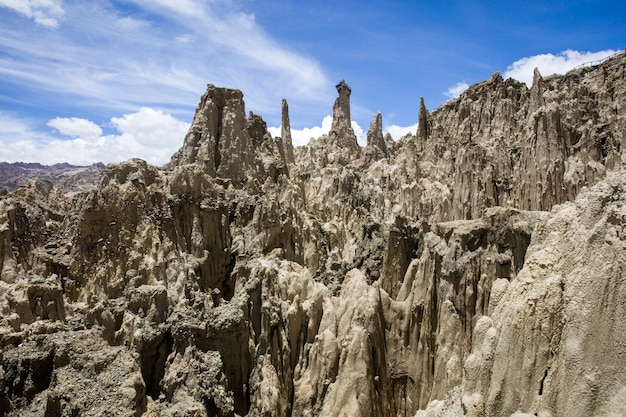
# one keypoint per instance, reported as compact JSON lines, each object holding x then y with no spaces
{"x":43,"y":12}
{"x":149,"y":59}
{"x":115,"y":57}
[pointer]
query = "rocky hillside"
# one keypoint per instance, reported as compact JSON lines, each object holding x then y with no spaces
{"x":475,"y":268}
{"x":68,"y":178}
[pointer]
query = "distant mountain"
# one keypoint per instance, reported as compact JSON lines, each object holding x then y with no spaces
{"x":68,"y":178}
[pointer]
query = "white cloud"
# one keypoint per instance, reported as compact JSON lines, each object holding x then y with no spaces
{"x":397,"y":132}
{"x":13,"y":129}
{"x":19,"y":139}
{"x":156,"y":134}
{"x":76,"y":127}
{"x":43,"y":12}
{"x":148,"y":133}
{"x":456,"y":90}
{"x":361,"y":136}
{"x":548,"y":64}
{"x":301,"y":137}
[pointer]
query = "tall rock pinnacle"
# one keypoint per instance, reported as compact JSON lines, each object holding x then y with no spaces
{"x":343,"y":101}
{"x":536,"y":90}
{"x":422,"y":127}
{"x":285,"y":133}
{"x":341,"y":127}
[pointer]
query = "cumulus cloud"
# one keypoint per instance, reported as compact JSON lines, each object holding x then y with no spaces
{"x":456,"y":90}
{"x":43,"y":12}
{"x":148,"y":133}
{"x":157,"y":135}
{"x":548,"y":64}
{"x":361,"y":136}
{"x":76,"y":127}
{"x":397,"y":132}
{"x":301,"y":137}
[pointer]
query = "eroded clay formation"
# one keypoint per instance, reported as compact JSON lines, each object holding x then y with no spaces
{"x":475,"y":268}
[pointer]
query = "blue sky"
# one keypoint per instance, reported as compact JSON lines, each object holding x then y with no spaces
{"x":87,"y":81}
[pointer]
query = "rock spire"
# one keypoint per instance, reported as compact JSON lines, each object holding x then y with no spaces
{"x":343,"y":100}
{"x":342,"y":124}
{"x":422,"y":118}
{"x":285,"y":132}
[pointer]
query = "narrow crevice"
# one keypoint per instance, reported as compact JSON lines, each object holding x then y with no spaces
{"x":545,"y":375}
{"x":218,"y":137}
{"x":153,"y":361}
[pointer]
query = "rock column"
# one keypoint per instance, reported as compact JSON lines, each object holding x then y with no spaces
{"x":341,"y":129}
{"x":285,"y":133}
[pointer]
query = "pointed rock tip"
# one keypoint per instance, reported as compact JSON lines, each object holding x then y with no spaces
{"x":423,"y":110}
{"x":496,"y":76}
{"x":537,"y":75}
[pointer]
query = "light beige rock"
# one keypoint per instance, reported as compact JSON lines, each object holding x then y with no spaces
{"x":72,"y":373}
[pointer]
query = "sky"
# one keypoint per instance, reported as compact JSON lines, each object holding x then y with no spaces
{"x":104,"y":81}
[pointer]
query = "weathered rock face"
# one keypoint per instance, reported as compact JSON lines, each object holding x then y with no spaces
{"x":422,"y":276}
{"x":70,"y":372}
{"x":551,"y":346}
{"x":225,"y":144}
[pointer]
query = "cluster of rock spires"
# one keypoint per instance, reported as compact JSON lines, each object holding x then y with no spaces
{"x":475,"y":268}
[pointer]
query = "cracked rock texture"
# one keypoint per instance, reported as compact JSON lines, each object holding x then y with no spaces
{"x":475,"y":268}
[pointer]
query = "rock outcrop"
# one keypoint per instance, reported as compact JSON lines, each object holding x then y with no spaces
{"x":474,"y":268}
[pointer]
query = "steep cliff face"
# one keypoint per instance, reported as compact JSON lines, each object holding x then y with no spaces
{"x":552,"y":344}
{"x":469,"y":269}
